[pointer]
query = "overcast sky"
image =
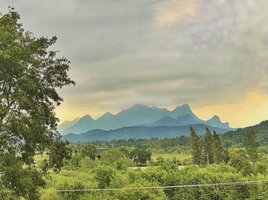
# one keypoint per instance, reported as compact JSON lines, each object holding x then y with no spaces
{"x":211,"y":54}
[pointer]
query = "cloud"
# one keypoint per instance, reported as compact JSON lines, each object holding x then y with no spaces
{"x":172,"y":12}
{"x":156,"y":52}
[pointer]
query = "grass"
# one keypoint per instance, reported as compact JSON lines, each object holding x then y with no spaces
{"x":171,"y":156}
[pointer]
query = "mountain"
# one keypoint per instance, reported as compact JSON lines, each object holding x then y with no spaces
{"x":67,"y":124}
{"x":215,"y":121}
{"x":105,"y":120}
{"x":82,"y":125}
{"x":139,"y":115}
{"x":140,"y":132}
{"x":184,"y":110}
{"x":169,"y":121}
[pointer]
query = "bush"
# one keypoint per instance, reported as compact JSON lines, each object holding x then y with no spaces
{"x":124,"y":163}
{"x":108,"y":157}
{"x":67,"y":185}
{"x":88,"y":164}
{"x":104,"y":175}
{"x":74,"y":162}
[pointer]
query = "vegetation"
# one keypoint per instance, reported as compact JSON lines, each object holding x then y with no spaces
{"x":113,"y":171}
{"x":30,"y":76}
{"x":197,"y":148}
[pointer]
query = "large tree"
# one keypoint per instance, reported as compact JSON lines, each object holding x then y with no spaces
{"x":89,"y":150}
{"x":219,"y":153}
{"x":251,"y":147}
{"x":197,"y":148}
{"x":141,"y":155}
{"x":208,"y":145}
{"x":30,"y":76}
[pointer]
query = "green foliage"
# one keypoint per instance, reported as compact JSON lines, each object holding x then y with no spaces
{"x":23,"y":182}
{"x":30,"y":76}
{"x":74,"y":162}
{"x":51,"y":196}
{"x":155,"y":194}
{"x":67,"y":185}
{"x":239,"y":136}
{"x":219,"y":153}
{"x":125,"y":151}
{"x":104,"y":175}
{"x":251,"y":147}
{"x":197,"y":148}
{"x":141,"y":155}
{"x":110,"y":156}
{"x":159,"y":161}
{"x":240,"y":161}
{"x":182,"y":141}
{"x":89,"y":151}
{"x":124,"y":163}
{"x":87,"y":164}
{"x":208,"y":146}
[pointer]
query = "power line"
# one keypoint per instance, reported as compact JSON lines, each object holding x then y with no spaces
{"x":161,"y":187}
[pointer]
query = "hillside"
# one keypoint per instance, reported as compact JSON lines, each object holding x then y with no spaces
{"x":140,"y":132}
{"x":239,"y":136}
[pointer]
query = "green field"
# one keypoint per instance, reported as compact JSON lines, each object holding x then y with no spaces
{"x":171,"y":156}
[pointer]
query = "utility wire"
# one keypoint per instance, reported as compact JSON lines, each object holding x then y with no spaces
{"x":161,"y":187}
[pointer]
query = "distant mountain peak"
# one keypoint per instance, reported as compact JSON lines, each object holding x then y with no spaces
{"x":216,"y":121}
{"x":67,"y":124}
{"x":183,"y":110}
{"x":139,"y":106}
{"x":185,"y":106}
{"x":108,"y":114}
{"x":216,"y":117}
{"x":86,"y":118}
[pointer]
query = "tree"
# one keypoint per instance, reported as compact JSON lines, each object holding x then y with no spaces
{"x":140,"y":155}
{"x":240,"y":161}
{"x":89,"y":151}
{"x":104,"y":175}
{"x":125,"y":151}
{"x":251,"y":147}
{"x":110,"y":156}
{"x":197,"y":148}
{"x":209,"y":140}
{"x":30,"y":76}
{"x":218,"y":150}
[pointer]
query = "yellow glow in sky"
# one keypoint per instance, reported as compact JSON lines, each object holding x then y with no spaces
{"x":171,"y":12}
{"x":241,"y":114}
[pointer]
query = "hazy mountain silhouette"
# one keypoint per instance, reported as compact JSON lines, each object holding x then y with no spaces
{"x":215,"y":121}
{"x":169,"y":121}
{"x":140,"y":132}
{"x":140,"y":115}
{"x":67,"y":124}
{"x":82,"y":125}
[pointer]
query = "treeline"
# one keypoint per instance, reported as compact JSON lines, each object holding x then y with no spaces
{"x":229,"y":139}
{"x":238,"y":138}
{"x":128,"y":156}
{"x":168,"y":145}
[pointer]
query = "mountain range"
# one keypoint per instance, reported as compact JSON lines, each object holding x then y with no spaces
{"x":144,"y":132}
{"x":140,"y":116}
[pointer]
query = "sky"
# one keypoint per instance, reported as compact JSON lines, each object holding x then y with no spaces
{"x":211,"y":54}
